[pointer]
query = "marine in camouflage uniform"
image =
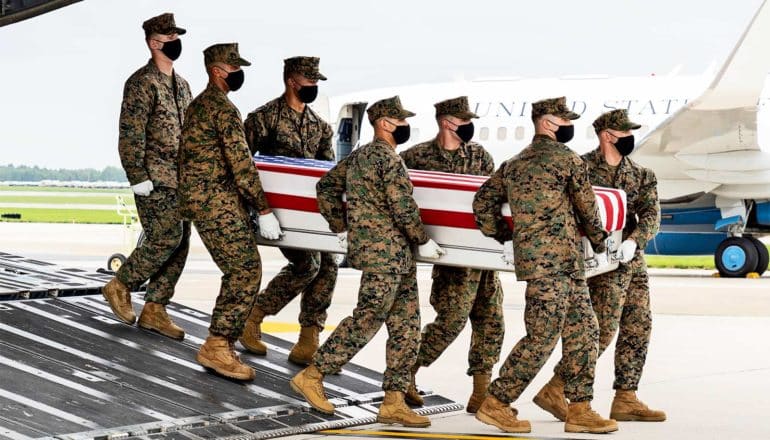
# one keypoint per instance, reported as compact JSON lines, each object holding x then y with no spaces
{"x":151,"y":120}
{"x":549,"y":194}
{"x":621,"y":298}
{"x":457,"y":293}
{"x":286,"y":126}
{"x":382,"y":222}
{"x":217,"y":182}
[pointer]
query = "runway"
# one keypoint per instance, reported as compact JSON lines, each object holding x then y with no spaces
{"x":708,"y":366}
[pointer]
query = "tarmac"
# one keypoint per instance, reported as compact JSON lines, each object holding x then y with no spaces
{"x":708,"y":365}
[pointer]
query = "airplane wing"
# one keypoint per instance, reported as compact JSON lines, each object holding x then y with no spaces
{"x":712,"y":144}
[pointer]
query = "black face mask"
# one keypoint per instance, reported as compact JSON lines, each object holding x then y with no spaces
{"x":234,"y":80}
{"x":172,"y":49}
{"x":401,"y":134}
{"x":625,"y":145}
{"x":307,"y":94}
{"x":465,"y":132}
{"x":565,"y":133}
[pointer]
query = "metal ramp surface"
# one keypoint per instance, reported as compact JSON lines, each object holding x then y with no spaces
{"x":23,"y":278}
{"x":70,"y":370}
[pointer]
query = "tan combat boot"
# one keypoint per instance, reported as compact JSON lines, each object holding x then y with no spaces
{"x":394,"y":411}
{"x":119,"y":298}
{"x":626,"y":407}
{"x":581,"y":418}
{"x":303,"y":351}
{"x":217,"y":354}
{"x":496,"y":413}
{"x":480,"y":385}
{"x":551,"y":398}
{"x":154,"y":317}
{"x":413,"y":396}
{"x":251,"y":339}
{"x":309,"y":383}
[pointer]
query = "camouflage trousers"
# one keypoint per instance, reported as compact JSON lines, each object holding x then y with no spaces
{"x":382,"y":298}
{"x":311,"y":274}
{"x":621,"y":299}
{"x":457,"y":294}
{"x":162,"y":255}
{"x":555,"y":307}
{"x":228,"y":235}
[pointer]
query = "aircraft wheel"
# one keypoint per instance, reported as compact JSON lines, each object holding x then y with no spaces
{"x":735,"y":257}
{"x":115,"y":262}
{"x":764,"y":256}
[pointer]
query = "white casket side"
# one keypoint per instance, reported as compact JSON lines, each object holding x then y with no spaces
{"x":445,"y":202}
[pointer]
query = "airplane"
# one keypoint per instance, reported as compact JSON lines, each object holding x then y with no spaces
{"x":701,"y":135}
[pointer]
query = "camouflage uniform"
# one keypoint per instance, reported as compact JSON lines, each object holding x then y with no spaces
{"x":460,"y":293}
{"x":217,"y":180}
{"x":383,"y":222}
{"x":621,"y":298}
{"x":275,"y":129}
{"x":151,"y":118}
{"x":549,"y":194}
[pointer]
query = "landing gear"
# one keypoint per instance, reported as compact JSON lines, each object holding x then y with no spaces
{"x":736,"y":257}
{"x":115,"y":261}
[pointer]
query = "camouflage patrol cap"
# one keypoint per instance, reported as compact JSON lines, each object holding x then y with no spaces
{"x":616,"y":120}
{"x":553,"y":106}
{"x":390,"y":107}
{"x":457,"y":107}
{"x":162,"y":24}
{"x":305,"y":66}
{"x":224,"y":53}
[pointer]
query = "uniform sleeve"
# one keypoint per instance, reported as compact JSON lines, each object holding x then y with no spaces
{"x":647,"y":208}
{"x":408,"y":157}
{"x":257,"y":132}
{"x":135,"y":112}
{"x":487,"y":207}
{"x":487,"y":164}
{"x":186,"y":97}
{"x":403,"y":208}
{"x":325,"y":150}
{"x":236,"y":153}
{"x":584,"y":201}
{"x":329,"y":191}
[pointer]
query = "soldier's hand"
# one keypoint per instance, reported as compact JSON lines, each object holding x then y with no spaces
{"x":627,"y":250}
{"x":430,"y":250}
{"x":143,"y":188}
{"x":342,"y":238}
{"x":508,"y":252}
{"x":269,"y":227}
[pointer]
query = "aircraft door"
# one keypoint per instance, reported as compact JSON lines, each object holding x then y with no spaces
{"x":349,"y":128}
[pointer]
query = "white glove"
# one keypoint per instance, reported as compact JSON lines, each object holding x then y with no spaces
{"x":430,"y":250}
{"x":143,"y":188}
{"x":601,"y":260}
{"x":342,"y":238}
{"x":508,"y":252}
{"x":269,"y":227}
{"x":627,"y":251}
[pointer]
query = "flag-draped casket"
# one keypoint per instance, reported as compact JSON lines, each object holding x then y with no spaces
{"x":445,"y":202}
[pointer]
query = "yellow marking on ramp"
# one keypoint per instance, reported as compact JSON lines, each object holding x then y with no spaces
{"x":285,"y":327}
{"x":419,"y":435}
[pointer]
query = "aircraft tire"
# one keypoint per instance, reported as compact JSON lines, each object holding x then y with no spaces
{"x":764,"y":255}
{"x":115,"y":261}
{"x":736,"y":257}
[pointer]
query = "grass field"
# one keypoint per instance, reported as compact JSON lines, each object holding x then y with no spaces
{"x":681,"y":261}
{"x":39,"y":215}
{"x":75,"y":196}
{"x":84,"y":199}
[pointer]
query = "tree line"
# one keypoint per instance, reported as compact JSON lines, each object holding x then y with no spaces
{"x":24,"y":173}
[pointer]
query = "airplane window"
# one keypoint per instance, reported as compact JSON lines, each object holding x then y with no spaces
{"x":484,"y":133}
{"x":502,"y":132}
{"x":519,"y":133}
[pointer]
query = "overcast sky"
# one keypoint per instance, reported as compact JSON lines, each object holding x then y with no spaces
{"x":62,"y":73}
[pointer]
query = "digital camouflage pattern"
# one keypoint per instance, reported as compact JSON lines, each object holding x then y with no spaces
{"x":390,"y":107}
{"x":458,"y":294}
{"x":275,"y":129}
{"x":389,"y":298}
{"x":217,"y":180}
{"x":553,"y":106}
{"x":162,"y":24}
{"x":224,"y":53}
{"x":547,"y":188}
{"x":305,"y":66}
{"x":616,"y":120}
{"x":556,"y":307}
{"x":457,"y":107}
{"x":151,"y":118}
{"x":382,"y":218}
